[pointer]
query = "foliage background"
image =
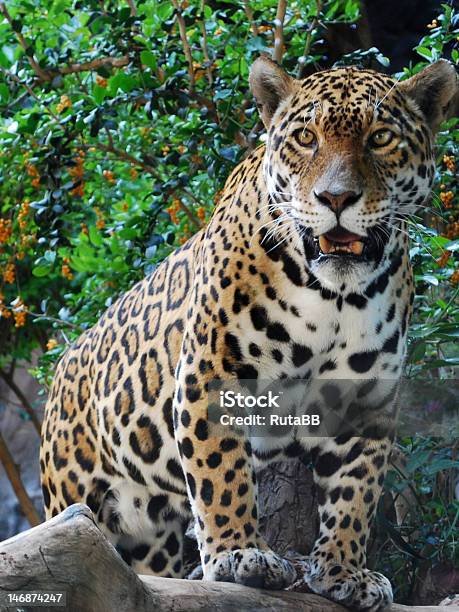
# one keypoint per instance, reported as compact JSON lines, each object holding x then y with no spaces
{"x":119,"y":122}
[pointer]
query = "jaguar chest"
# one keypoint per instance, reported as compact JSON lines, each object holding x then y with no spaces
{"x":316,"y":333}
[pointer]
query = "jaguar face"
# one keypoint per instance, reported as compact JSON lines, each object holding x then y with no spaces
{"x":349,"y":156}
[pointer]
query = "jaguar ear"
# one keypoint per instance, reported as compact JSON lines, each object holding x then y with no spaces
{"x":436,"y":91}
{"x":269,"y":85}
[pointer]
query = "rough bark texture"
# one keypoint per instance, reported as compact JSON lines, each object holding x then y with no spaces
{"x":288,"y":507}
{"x":69,"y":553}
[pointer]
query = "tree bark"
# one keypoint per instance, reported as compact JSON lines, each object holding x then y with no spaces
{"x":9,"y":381}
{"x":69,"y":553}
{"x":289,"y":518}
{"x":14,"y":477}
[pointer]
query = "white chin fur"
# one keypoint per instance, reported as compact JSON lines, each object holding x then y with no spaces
{"x":332,"y":273}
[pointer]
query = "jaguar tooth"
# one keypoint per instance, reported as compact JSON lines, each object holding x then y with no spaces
{"x":328,"y":246}
{"x":356,"y":247}
{"x":325,"y":245}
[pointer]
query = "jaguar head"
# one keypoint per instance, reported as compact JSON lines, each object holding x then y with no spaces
{"x":349,"y":156}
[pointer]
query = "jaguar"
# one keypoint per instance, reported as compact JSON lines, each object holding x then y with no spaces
{"x":302,"y":272}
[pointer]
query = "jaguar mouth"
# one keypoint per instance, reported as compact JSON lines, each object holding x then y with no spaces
{"x":345,"y":247}
{"x":340,"y":241}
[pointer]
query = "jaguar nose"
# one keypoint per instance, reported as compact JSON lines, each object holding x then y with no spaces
{"x":338,"y":201}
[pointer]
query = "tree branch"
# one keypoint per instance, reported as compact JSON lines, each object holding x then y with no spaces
{"x":9,"y":381}
{"x":31,"y":92}
{"x":148,"y":168}
{"x":307,"y":47}
{"x":185,"y":43}
{"x":12,"y":472}
{"x":42,"y":74}
{"x":205,"y":50}
{"x":70,"y":554}
{"x":249,"y":12}
{"x":114,"y":62}
{"x":279,"y":31}
{"x":132,"y":7}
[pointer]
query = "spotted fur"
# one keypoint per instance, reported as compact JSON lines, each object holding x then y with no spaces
{"x":251,"y":297}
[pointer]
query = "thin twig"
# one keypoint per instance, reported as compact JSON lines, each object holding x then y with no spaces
{"x":120,"y":154}
{"x":189,"y":213}
{"x":185,"y":43}
{"x":132,"y":7}
{"x":48,"y":75}
{"x":42,"y":74}
{"x":14,"y":477}
{"x":205,"y":50}
{"x":109,"y":137}
{"x":9,"y":381}
{"x":45,"y":317}
{"x":114,"y":62}
{"x":111,"y":149}
{"x":31,"y":92}
{"x":279,"y":31}
{"x":249,"y":12}
{"x":312,"y":26}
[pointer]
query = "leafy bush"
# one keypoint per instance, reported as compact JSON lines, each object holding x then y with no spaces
{"x":118,"y":128}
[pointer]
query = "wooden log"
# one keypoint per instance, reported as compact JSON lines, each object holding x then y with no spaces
{"x":69,"y":553}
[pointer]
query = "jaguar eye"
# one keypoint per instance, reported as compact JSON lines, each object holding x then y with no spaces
{"x":305,"y":138}
{"x":381,"y":138}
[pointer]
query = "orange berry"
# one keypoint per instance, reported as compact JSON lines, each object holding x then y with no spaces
{"x":108,"y":174}
{"x":24,"y":211}
{"x":443,"y":260}
{"x":6,"y":229}
{"x":101,"y":81}
{"x":32,"y":170}
{"x":51,"y":344}
{"x":63,"y":104}
{"x":66,"y":272}
{"x":19,"y":312}
{"x":9,"y":273}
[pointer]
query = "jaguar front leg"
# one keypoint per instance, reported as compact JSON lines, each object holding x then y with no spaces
{"x":349,"y":476}
{"x":221,"y":486}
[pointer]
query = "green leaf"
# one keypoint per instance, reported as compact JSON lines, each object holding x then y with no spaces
{"x":4,"y":93}
{"x":440,"y":465}
{"x":149,"y":59}
{"x":98,"y":93}
{"x":429,"y":278}
{"x":164,"y":10}
{"x":40,"y":271}
{"x":424,"y":52}
{"x":440,"y":363}
{"x":418,"y":352}
{"x":417,"y":460}
{"x":95,"y":236}
{"x":121,"y":81}
{"x":452,"y":246}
